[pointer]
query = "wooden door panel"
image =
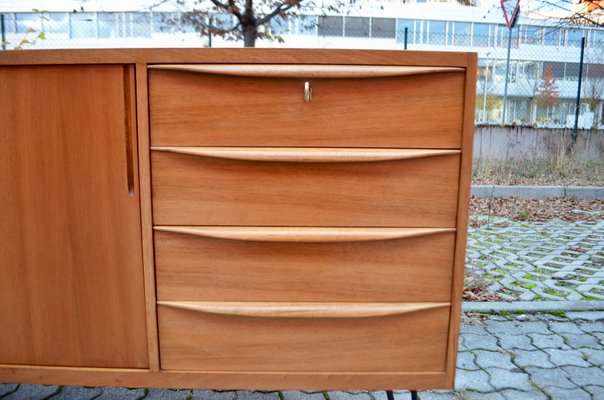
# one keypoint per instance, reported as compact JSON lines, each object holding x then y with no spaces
{"x":71,"y":292}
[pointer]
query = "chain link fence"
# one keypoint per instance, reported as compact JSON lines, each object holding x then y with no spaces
{"x":543,"y":74}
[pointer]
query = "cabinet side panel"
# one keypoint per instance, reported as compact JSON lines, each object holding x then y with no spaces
{"x":71,"y":292}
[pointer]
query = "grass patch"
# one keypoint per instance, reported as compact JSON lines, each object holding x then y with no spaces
{"x":557,"y":313}
{"x":553,"y":292}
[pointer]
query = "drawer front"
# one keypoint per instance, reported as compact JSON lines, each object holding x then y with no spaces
{"x":200,"y":109}
{"x":312,"y":341}
{"x":274,"y":264}
{"x":202,"y":190}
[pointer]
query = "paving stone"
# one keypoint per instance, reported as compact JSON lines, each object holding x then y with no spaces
{"x":587,"y":315}
{"x":594,"y":356}
{"x":256,"y":395}
{"x":32,"y":392}
{"x":480,"y":396}
{"x":475,"y":329}
{"x":585,"y":376}
{"x":298,"y":395}
{"x":113,"y":393}
{"x":591,"y":327}
{"x":567,"y":394}
{"x":78,"y":392}
{"x":168,"y":394}
{"x":550,"y":341}
{"x":491,"y":359}
{"x":339,"y":395}
{"x":504,"y":379}
{"x":516,"y":342}
{"x":483,"y":342}
{"x":581,"y":340}
{"x":6,"y":388}
{"x":562,"y":358}
{"x":435,"y":395}
{"x":512,"y":394}
{"x":536,"y":358}
{"x":500,"y":328}
{"x":565,"y":327}
{"x":465,"y":360}
{"x":554,"y":377}
{"x":597,"y":392}
{"x":473,"y":381}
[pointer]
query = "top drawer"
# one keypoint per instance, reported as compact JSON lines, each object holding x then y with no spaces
{"x":265,"y":105}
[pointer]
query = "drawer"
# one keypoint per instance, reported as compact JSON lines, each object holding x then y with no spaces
{"x":305,"y":187}
{"x":303,"y":337}
{"x":303,"y":264}
{"x":351,"y":106}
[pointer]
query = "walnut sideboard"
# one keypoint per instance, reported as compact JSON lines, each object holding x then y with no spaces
{"x":233,"y":218}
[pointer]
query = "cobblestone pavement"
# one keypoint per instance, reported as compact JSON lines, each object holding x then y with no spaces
{"x":520,"y":357}
{"x":553,"y":260}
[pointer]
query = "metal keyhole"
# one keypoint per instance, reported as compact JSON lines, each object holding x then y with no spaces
{"x":307,"y":92}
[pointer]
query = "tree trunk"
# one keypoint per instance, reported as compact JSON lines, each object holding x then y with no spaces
{"x":249,"y":35}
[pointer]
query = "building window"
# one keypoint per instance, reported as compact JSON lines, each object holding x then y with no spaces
{"x":279,"y":25}
{"x":307,"y":25}
{"x":9,"y":22}
{"x":83,"y":25}
{"x":534,"y":34}
{"x":383,"y":27}
{"x":461,"y":33}
{"x":572,"y":71}
{"x":331,"y":26}
{"x":26,"y":22}
{"x":164,"y":22}
{"x":401,"y":24}
{"x":557,"y":69}
{"x":140,"y":24}
{"x":109,"y":24}
{"x":437,"y":33}
{"x":480,"y":36}
{"x":356,"y":27}
{"x":573,"y":37}
{"x":551,"y":36}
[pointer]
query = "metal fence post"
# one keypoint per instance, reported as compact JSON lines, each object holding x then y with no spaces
{"x":406,"y":35}
{"x":3,"y":28}
{"x":578,"y":104}
{"x":507,"y":78}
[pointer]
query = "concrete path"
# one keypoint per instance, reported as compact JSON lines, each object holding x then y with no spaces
{"x":519,"y":357}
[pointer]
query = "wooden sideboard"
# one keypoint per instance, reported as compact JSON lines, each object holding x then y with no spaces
{"x":233,"y":218}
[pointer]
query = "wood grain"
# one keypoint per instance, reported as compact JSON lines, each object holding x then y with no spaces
{"x":305,"y":71}
{"x":191,"y":267}
{"x":191,"y":109}
{"x":144,"y":170}
{"x":249,"y":380}
{"x":191,"y":190}
{"x":302,"y":310}
{"x":306,"y":154}
{"x":71,"y":291}
{"x":411,"y":342}
{"x":463,"y":208}
{"x":235,"y":56}
{"x":302,"y":234}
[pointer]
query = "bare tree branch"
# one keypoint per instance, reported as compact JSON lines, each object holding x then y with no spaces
{"x":281,"y":8}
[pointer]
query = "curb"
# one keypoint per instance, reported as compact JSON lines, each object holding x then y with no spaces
{"x":539,"y":192}
{"x":532,"y":306}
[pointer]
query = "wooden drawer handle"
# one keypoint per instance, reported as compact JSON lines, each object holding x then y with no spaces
{"x":305,"y":71}
{"x":302,"y":234}
{"x":302,"y":310}
{"x":306,"y":154}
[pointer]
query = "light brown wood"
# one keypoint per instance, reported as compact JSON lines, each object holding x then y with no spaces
{"x":144,"y":167}
{"x":463,"y":207}
{"x":71,"y":291}
{"x":191,"y":190}
{"x":191,"y":267}
{"x":302,"y":234}
{"x":306,"y":154}
{"x":218,"y":379}
{"x":234,"y":56}
{"x":410,"y":342}
{"x":305,"y":71}
{"x":192,"y":109}
{"x":302,"y":310}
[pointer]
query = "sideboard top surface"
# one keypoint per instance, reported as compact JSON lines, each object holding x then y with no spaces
{"x":239,"y":55}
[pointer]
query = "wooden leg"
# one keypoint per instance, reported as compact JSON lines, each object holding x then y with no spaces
{"x":390,"y":395}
